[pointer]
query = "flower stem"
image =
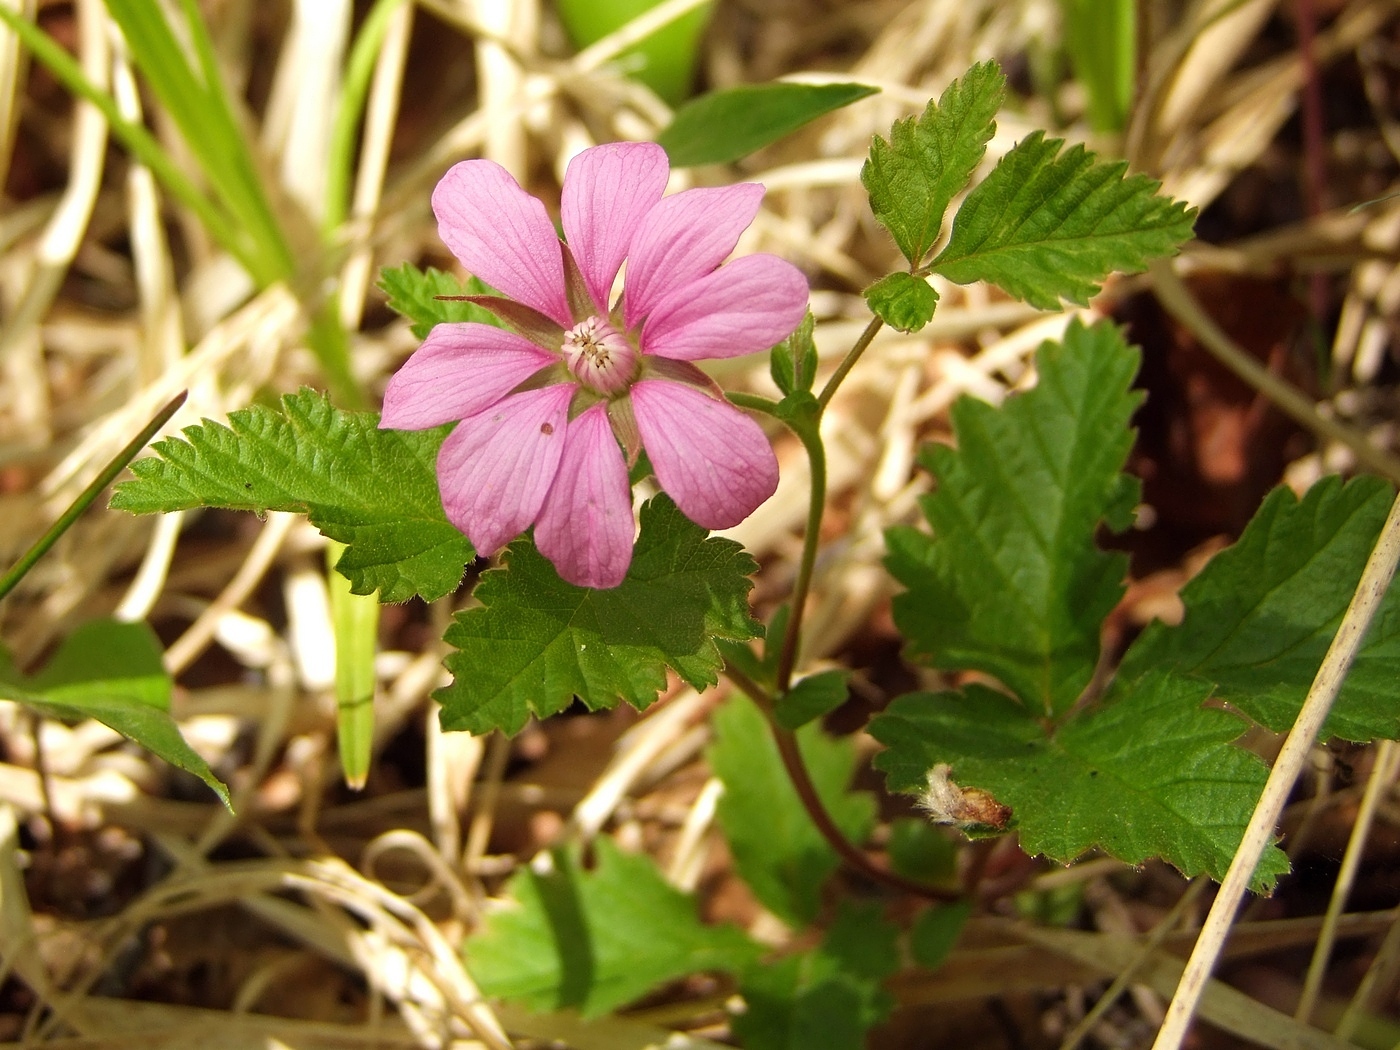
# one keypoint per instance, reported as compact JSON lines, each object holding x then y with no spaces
{"x":816,"y":455}
{"x":849,"y":362}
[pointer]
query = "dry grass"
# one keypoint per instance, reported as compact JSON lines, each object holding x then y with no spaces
{"x":319,"y":918}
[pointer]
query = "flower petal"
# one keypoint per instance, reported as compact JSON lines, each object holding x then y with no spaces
{"x":585,"y":527}
{"x":496,"y":467}
{"x":744,"y":306}
{"x":460,"y":370}
{"x":608,"y":190}
{"x":502,"y":234}
{"x":713,"y":460}
{"x":684,"y":237}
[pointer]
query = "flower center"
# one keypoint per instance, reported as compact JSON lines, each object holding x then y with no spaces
{"x":600,"y":357}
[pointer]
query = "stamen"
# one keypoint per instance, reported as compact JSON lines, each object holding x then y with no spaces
{"x":600,"y":357}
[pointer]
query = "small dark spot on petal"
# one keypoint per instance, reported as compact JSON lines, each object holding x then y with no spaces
{"x":546,"y":428}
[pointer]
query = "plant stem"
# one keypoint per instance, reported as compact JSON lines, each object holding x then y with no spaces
{"x":824,"y":398}
{"x":791,"y":755}
{"x":85,"y":498}
{"x":816,"y":455}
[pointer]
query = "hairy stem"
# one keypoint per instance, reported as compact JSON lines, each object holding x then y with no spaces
{"x":816,"y":455}
{"x":837,"y":377}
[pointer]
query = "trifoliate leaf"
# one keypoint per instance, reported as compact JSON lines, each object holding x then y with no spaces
{"x":777,"y":849}
{"x":827,"y":998}
{"x":412,"y":294}
{"x":1046,"y":226}
{"x":902,"y":301}
{"x":810,"y":698}
{"x":374,"y":490}
{"x":1150,"y":772}
{"x":537,"y":642}
{"x":936,"y":931}
{"x":793,"y":363}
{"x":595,"y":939}
{"x":1010,"y":582}
{"x":724,"y":125}
{"x":912,"y":178}
{"x":1260,"y":615}
{"x":112,"y":672}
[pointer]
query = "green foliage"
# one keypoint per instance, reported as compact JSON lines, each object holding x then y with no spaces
{"x":793,"y":363}
{"x":537,"y":642}
{"x":777,"y":849}
{"x":913,"y":177}
{"x":902,"y":301}
{"x":373,"y":490}
{"x":1101,"y":38}
{"x":595,"y":939}
{"x":413,"y":293}
{"x":811,"y":698}
{"x":936,"y":931}
{"x":921,"y":851}
{"x":663,"y":61}
{"x":1046,"y":226}
{"x":827,"y":998}
{"x":722,"y":126}
{"x":1260,"y":615}
{"x":1102,"y":778}
{"x":1010,"y":582}
{"x":112,"y":672}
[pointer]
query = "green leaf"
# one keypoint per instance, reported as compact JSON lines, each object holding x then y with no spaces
{"x":777,"y":849}
{"x":1149,"y":772}
{"x":922,"y":851}
{"x":536,"y":642}
{"x":373,"y":490}
{"x":1260,"y":615}
{"x":912,"y":178}
{"x":936,"y":931}
{"x":595,"y":939}
{"x":413,"y":294}
{"x":1046,"y":226}
{"x":811,"y":698}
{"x":793,"y":363}
{"x":828,"y":998}
{"x":1101,"y":38}
{"x":1011,"y":583}
{"x":902,"y":301}
{"x":722,"y":126}
{"x":112,"y":672}
{"x":664,"y":61}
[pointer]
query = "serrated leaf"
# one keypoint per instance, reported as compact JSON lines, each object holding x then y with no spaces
{"x":112,"y":672}
{"x":902,"y":301}
{"x":912,"y":178}
{"x":1260,"y":616}
{"x":374,"y":490}
{"x":537,"y":642}
{"x":827,"y":998}
{"x":1011,"y":582}
{"x":1046,"y":226}
{"x":412,"y":294}
{"x":723,"y":126}
{"x":936,"y":931}
{"x":777,"y":849}
{"x":1148,"y":773}
{"x":810,"y":698}
{"x":793,"y":363}
{"x":597,"y":939}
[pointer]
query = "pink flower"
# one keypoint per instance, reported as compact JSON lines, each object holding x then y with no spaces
{"x":543,"y":408}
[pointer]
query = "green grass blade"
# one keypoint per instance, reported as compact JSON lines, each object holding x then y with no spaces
{"x":85,"y":498}
{"x":355,"y":618}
